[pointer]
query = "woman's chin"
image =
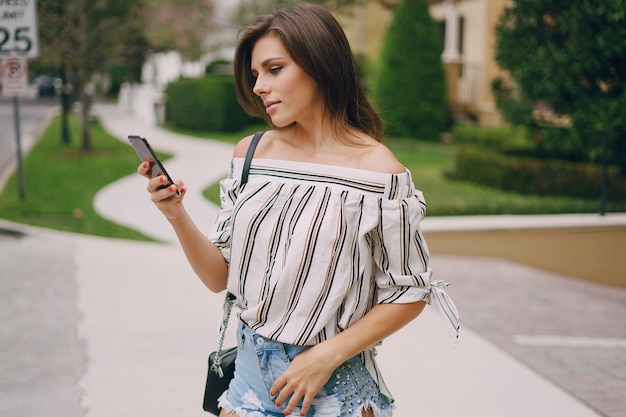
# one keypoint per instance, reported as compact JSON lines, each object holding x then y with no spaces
{"x":281,"y":124}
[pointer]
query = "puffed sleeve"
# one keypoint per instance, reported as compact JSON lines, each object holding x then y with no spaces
{"x":400,"y":251}
{"x":221,"y":231}
{"x":402,"y":257}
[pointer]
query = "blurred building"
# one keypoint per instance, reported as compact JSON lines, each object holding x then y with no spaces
{"x":467,"y":28}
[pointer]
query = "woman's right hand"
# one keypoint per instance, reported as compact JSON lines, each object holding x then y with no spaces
{"x":165,"y":199}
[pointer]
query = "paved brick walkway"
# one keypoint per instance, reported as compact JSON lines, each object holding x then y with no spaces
{"x":572,"y":332}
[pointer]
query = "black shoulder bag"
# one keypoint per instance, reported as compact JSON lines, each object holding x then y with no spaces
{"x":222,"y":362}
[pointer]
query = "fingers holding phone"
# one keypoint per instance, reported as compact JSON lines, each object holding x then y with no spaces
{"x":160,"y":182}
{"x":164,"y":192}
{"x":155,"y":168}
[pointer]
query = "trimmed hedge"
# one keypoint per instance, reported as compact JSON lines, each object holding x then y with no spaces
{"x":207,"y":104}
{"x":536,"y":176}
{"x":501,"y":138}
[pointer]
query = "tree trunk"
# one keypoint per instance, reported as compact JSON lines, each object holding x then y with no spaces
{"x":84,"y":95}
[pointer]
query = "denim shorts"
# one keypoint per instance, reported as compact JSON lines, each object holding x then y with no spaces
{"x":350,"y":390}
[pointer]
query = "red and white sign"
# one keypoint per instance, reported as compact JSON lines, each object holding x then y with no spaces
{"x":14,"y":77}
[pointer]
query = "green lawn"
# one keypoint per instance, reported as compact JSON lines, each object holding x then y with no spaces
{"x":429,"y":162}
{"x":62,"y":180}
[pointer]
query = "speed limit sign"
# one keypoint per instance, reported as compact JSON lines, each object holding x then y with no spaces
{"x":18,"y":29}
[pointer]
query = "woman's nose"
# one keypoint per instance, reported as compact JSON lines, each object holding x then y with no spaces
{"x":260,"y":86}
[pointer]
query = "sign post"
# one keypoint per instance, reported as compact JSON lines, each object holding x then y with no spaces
{"x":14,"y":83}
{"x":19,"y":39}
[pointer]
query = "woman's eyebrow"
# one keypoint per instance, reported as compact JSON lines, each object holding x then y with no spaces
{"x":267,"y":61}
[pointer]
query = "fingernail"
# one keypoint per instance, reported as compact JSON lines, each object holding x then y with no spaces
{"x":278,"y":404}
{"x":182,"y":190}
{"x":145,"y":165}
{"x":171,"y":188}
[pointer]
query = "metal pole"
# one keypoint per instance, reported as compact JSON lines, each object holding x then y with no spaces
{"x":604,"y":176}
{"x":18,"y":134}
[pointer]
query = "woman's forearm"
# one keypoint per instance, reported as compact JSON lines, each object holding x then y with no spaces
{"x":380,"y":322}
{"x":203,"y":256}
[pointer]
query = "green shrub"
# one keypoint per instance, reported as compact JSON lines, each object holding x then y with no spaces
{"x":207,"y":103}
{"x":408,"y":82}
{"x":219,"y":66}
{"x":536,"y":176}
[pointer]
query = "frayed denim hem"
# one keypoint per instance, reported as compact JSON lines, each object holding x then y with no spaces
{"x":251,"y":401}
{"x":252,"y":407}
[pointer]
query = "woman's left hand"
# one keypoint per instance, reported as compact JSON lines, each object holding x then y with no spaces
{"x":303,"y":379}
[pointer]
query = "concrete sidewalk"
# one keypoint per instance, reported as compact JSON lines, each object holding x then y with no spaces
{"x":146,"y":323}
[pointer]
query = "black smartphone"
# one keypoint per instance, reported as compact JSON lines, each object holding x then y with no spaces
{"x":145,"y":152}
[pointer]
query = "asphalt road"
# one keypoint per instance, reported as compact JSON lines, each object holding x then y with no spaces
{"x":43,"y":358}
{"x":46,"y":308}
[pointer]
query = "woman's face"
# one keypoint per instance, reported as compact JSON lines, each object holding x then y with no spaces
{"x":289,"y":94}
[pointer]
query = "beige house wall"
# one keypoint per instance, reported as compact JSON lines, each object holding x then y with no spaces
{"x":367,"y":40}
{"x":555,"y":249}
{"x":480,"y":19}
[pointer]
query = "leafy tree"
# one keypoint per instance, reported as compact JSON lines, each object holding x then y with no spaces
{"x":568,"y":57}
{"x":179,"y":25}
{"x":408,"y":80}
{"x":82,"y":36}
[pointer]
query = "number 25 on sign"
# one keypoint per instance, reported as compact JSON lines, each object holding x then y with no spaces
{"x":18,"y":29}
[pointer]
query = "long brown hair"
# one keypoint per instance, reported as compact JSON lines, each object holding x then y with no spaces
{"x":317,"y":44}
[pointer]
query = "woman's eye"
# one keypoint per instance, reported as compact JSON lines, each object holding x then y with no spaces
{"x":276,"y":69}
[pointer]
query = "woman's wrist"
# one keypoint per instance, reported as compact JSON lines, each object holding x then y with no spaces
{"x":176,"y":218}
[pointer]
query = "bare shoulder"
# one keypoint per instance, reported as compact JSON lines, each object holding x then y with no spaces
{"x":379,"y":157}
{"x":242,"y":147}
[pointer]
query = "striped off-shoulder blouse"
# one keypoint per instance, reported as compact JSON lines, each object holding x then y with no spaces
{"x":312,"y":248}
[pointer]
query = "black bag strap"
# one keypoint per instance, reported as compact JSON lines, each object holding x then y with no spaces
{"x":229,"y":300}
{"x":216,"y":366}
{"x":246,"y":165}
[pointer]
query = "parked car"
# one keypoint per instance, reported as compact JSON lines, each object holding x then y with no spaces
{"x":45,"y":85}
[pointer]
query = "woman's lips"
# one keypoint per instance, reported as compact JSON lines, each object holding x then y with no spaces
{"x":271,"y":107}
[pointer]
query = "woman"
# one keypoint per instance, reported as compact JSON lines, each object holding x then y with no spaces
{"x":322,"y":247}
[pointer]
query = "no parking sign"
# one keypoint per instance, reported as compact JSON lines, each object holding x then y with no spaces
{"x":14,"y":77}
